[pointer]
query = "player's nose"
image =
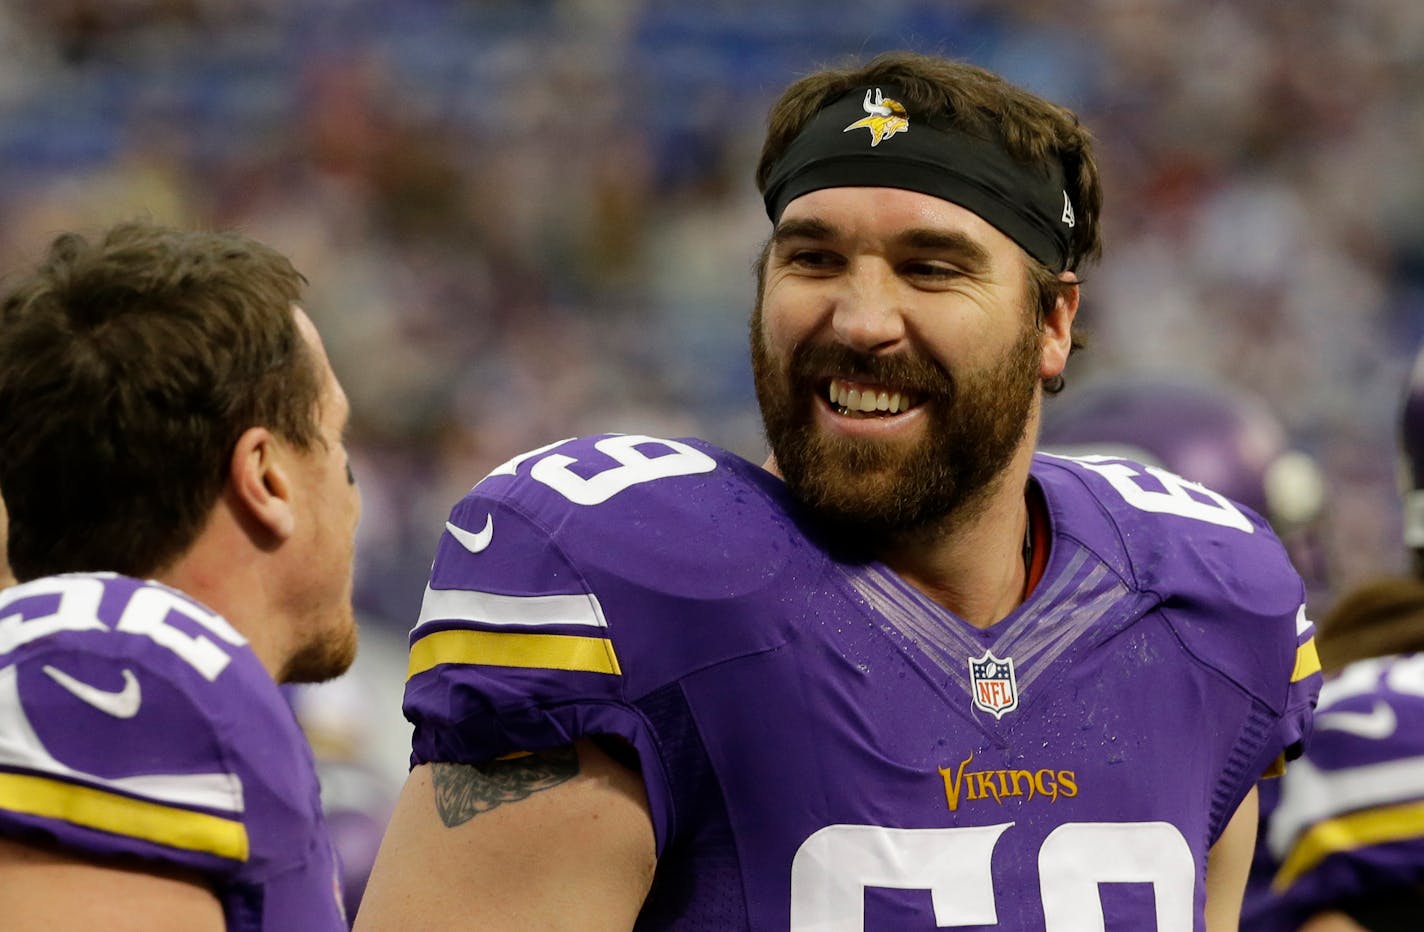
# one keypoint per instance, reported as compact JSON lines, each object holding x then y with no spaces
{"x":867,"y":315}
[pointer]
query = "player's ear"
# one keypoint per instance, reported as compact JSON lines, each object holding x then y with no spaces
{"x":1057,"y":328}
{"x":260,"y":486}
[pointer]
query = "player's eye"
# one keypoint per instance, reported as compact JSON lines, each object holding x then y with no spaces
{"x":815,"y":259}
{"x":931,"y":270}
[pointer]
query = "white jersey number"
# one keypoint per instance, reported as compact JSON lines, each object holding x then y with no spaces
{"x":148,"y":613}
{"x":1177,"y":496}
{"x":634,"y":467}
{"x":833,"y":867}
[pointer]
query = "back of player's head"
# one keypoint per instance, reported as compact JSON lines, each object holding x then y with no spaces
{"x":1381,"y":618}
{"x":1220,"y":437}
{"x":1224,"y":439}
{"x":129,"y":366}
{"x":1411,"y":436}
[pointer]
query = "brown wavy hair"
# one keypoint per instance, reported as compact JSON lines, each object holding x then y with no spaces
{"x":129,"y":367}
{"x":1380,"y":618}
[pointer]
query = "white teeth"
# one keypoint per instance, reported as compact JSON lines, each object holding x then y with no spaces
{"x":841,"y":395}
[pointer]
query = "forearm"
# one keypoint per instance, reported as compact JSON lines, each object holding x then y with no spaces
{"x":553,"y":840}
{"x":1228,"y":865}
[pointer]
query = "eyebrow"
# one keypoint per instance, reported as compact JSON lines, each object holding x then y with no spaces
{"x":965,"y":248}
{"x":803,"y":228}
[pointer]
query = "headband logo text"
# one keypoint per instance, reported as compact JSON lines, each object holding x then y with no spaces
{"x":887,"y":117}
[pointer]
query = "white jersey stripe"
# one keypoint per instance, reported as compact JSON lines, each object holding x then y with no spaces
{"x":1312,"y":795}
{"x":502,"y":611}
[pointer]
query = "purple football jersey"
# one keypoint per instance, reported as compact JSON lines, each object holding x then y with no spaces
{"x":824,"y":747}
{"x":136,"y":723}
{"x":1349,"y":824}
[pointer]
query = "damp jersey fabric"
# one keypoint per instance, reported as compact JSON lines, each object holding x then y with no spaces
{"x":1345,"y":825}
{"x":825,"y":748}
{"x":138,"y":728}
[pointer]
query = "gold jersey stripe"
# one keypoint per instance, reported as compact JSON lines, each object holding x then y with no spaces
{"x":1346,"y":833}
{"x":1307,"y":661}
{"x":1277,"y":768}
{"x":514,"y":649}
{"x":123,"y":815}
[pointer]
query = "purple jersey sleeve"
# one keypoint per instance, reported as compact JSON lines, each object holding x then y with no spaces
{"x":1350,"y":821}
{"x":573,"y":583}
{"x":135,"y":723}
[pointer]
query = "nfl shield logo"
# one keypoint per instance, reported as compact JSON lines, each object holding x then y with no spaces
{"x":992,"y":684}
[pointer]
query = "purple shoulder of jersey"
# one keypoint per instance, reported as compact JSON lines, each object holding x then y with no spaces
{"x":137,"y":727}
{"x":825,"y":747}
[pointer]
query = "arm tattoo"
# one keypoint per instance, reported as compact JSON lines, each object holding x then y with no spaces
{"x":463,"y":791}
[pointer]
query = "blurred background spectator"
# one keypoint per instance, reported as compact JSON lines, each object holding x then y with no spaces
{"x":528,"y":219}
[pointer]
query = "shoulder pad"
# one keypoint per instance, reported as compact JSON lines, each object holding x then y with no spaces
{"x":650,"y":511}
{"x":579,"y":577}
{"x":618,"y":536}
{"x":1223,"y":578}
{"x":135,"y":721}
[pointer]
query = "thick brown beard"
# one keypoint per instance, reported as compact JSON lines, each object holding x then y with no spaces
{"x":870,"y":493}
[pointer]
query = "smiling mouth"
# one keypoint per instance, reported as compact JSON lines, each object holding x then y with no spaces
{"x":858,"y":399}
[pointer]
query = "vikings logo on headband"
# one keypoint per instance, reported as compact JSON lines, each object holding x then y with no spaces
{"x":1027,"y":203}
{"x":887,"y":117}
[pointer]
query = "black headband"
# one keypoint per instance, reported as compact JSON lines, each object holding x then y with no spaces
{"x":866,"y":139}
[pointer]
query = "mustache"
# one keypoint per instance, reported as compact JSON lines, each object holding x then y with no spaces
{"x":812,"y":363}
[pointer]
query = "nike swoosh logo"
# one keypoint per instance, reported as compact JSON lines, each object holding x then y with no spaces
{"x":121,"y":704}
{"x":1379,"y":722}
{"x":471,"y":541}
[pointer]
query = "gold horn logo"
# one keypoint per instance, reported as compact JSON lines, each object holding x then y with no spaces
{"x":886,"y":117}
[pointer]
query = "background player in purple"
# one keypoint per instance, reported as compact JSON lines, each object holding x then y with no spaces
{"x":1221,"y":436}
{"x":182,"y":519}
{"x":1346,"y":839}
{"x":907,"y":675}
{"x":1345,"y":843}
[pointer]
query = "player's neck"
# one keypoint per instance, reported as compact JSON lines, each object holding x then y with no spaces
{"x":978,"y":566}
{"x":224,"y":572}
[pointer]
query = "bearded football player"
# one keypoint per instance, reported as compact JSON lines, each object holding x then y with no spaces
{"x":906,"y":673}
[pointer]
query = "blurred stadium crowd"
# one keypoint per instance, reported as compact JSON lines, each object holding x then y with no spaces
{"x":528,"y":219}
